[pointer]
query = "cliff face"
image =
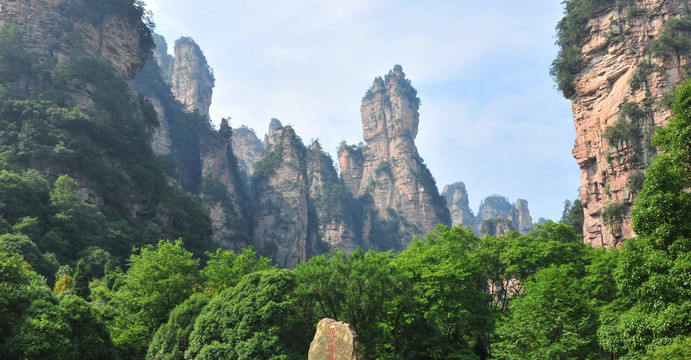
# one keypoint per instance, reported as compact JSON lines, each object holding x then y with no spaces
{"x":50,"y":29}
{"x":279,"y":188}
{"x":498,"y":216}
{"x":336,"y":217}
{"x":249,"y":150}
{"x":630,"y":65}
{"x":192,"y":78}
{"x":224,"y":190}
{"x":456,"y":198}
{"x":390,"y":170}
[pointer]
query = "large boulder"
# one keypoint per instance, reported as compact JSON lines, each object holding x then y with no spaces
{"x":334,"y":340}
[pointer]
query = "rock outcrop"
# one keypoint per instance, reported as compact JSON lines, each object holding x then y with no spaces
{"x":224,"y":190}
{"x":279,"y":188}
{"x":388,"y":169}
{"x":51,"y":30}
{"x":619,"y":96}
{"x":165,"y":61}
{"x":497,"y":216}
{"x":334,"y":340}
{"x":249,"y":150}
{"x":456,"y":198}
{"x":192,"y":78}
{"x":337,"y":219}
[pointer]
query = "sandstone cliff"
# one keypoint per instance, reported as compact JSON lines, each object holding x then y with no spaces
{"x":337,"y":217}
{"x":279,"y":188}
{"x":497,"y":216}
{"x":457,"y":200}
{"x":165,"y":61}
{"x":249,"y":150}
{"x":388,"y":169}
{"x":55,"y":31}
{"x":633,"y":55}
{"x":192,"y":78}
{"x":223,"y":190}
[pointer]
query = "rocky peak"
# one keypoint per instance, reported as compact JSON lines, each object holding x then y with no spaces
{"x":502,"y":214}
{"x":388,"y":168}
{"x":337,"y":221}
{"x":248,"y":149}
{"x":270,"y":137}
{"x":192,"y":78}
{"x":618,"y":96}
{"x":456,"y":198}
{"x":164,"y":60}
{"x":280,"y":192}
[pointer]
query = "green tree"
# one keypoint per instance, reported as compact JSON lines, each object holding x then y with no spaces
{"x":89,"y":332}
{"x":358,"y":288}
{"x":553,"y":320}
{"x":257,"y":319}
{"x":172,"y":339}
{"x":451,"y":304}
{"x":225,"y":269}
{"x":79,"y":223}
{"x":159,"y":278}
{"x":82,"y":276}
{"x":573,"y":215}
{"x":43,"y":333}
{"x":19,"y":287}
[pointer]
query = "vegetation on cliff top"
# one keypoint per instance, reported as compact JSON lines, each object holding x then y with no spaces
{"x":570,"y":32}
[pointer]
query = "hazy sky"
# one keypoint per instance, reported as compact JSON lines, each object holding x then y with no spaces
{"x":490,"y":114}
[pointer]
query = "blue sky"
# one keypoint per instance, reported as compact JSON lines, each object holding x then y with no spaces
{"x":490,"y":114}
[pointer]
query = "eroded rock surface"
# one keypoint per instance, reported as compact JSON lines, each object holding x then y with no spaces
{"x":334,"y":340}
{"x":621,"y":83}
{"x":388,"y":169}
{"x":192,"y":78}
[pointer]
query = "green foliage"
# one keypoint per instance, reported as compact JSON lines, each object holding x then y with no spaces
{"x":573,"y":215}
{"x":89,"y":332}
{"x":18,"y":289}
{"x":225,"y":269}
{"x":43,"y":333}
{"x":267,"y":165}
{"x":635,"y":181}
{"x":14,"y":60}
{"x":355,"y":288}
{"x":383,"y":168}
{"x":675,"y":351}
{"x":172,"y":339}
{"x":564,"y":68}
{"x":625,"y":130}
{"x":449,"y":301}
{"x":644,"y":69}
{"x":404,"y":87}
{"x":673,"y":40}
{"x":381,"y":89}
{"x":188,"y":219}
{"x":570,"y":31}
{"x":257,"y":319}
{"x":157,"y":281}
{"x":613,"y":213}
{"x":553,"y":320}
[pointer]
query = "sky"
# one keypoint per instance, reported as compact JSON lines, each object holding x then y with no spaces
{"x":490,"y":115}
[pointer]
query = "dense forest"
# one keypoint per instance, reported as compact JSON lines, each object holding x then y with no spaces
{"x":86,"y":281}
